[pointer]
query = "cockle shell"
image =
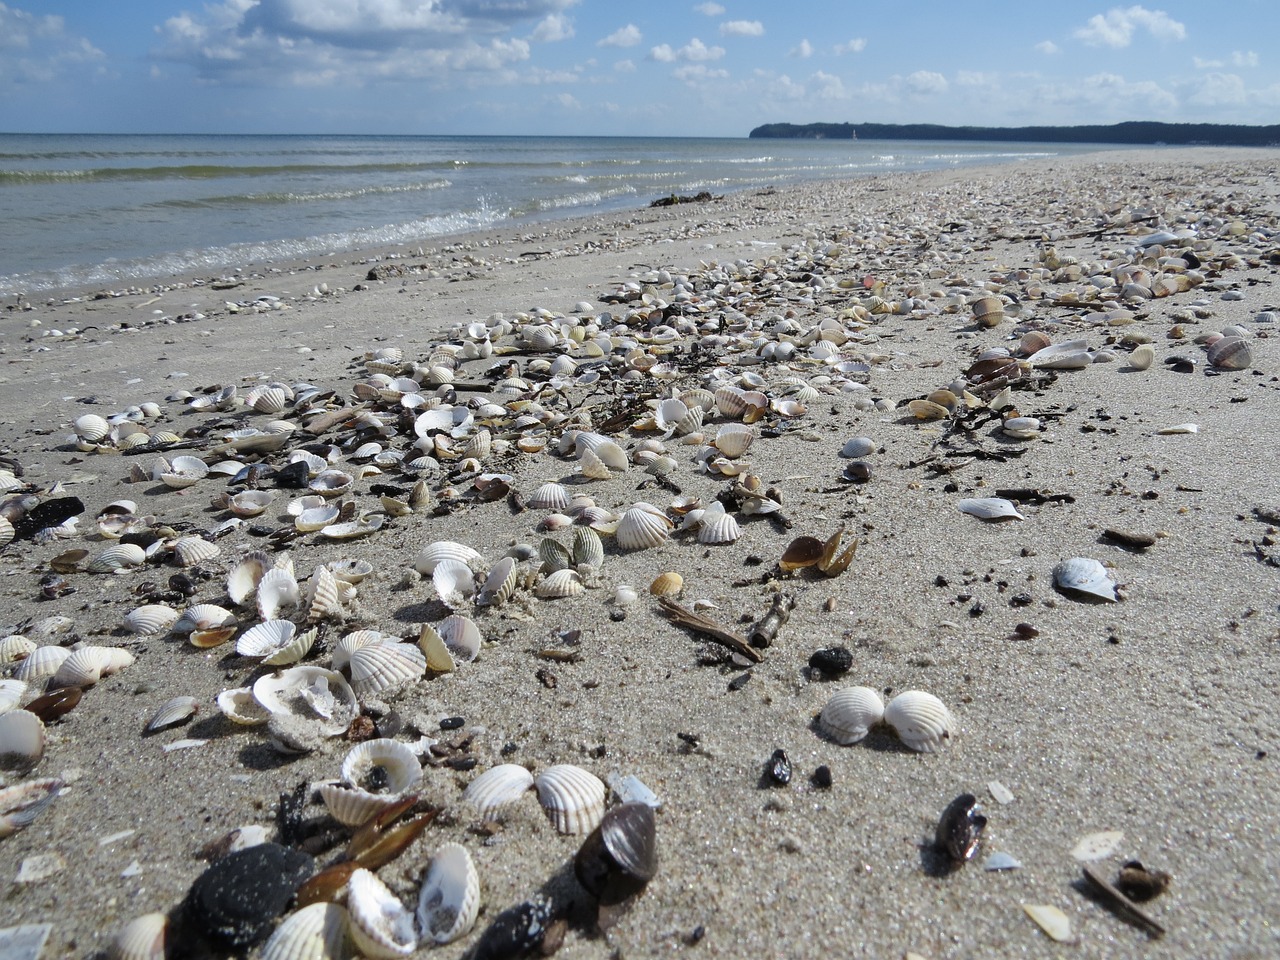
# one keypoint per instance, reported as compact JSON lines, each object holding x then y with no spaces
{"x":184,"y":472}
{"x":21,"y":740}
{"x":381,"y":926}
{"x":606,"y":450}
{"x":433,"y":553}
{"x":240,"y":706}
{"x":242,"y":581}
{"x":1084,"y":575}
{"x":119,"y":556}
{"x":573,"y":798}
{"x":592,"y":467}
{"x":250,"y":503}
{"x":989,"y":508}
{"x":364,"y":794}
{"x":850,"y":714}
{"x":331,"y":483}
{"x":21,"y":804}
{"x":91,"y":428}
{"x":86,"y":666}
{"x":449,"y":900}
{"x":312,"y":694}
{"x":350,"y":570}
{"x":351,"y":642}
{"x":266,"y":639}
{"x":454,"y":582}
{"x":734,"y":439}
{"x":150,"y":619}
{"x":277,"y":591}
{"x":319,"y":931}
{"x":11,"y":693}
{"x":387,"y":666}
{"x":461,"y":636}
{"x":641,"y":527}
{"x":1231,"y":353}
{"x":560,"y":584}
{"x":1021,"y":428}
{"x":171,"y":713}
{"x":311,"y":519}
{"x":1142,"y":356}
{"x":857,"y":448}
{"x":499,"y":585}
{"x":588,"y":549}
{"x":549,"y":496}
{"x":988,"y":311}
{"x":498,"y":788}
{"x":717,"y":526}
{"x":189,"y":551}
{"x":204,"y":616}
{"x":323,"y":599}
{"x":142,"y":938}
{"x":920,"y":719}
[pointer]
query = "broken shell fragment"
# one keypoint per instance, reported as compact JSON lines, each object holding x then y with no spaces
{"x":989,"y":508}
{"x":21,"y":804}
{"x":1084,"y":577}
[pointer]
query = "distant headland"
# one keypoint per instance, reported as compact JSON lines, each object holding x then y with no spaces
{"x":1134,"y":131}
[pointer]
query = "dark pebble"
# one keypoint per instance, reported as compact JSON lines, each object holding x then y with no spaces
{"x":738,"y":682}
{"x":236,"y":901}
{"x":452,"y":723}
{"x":832,"y":660}
{"x":822,"y":778}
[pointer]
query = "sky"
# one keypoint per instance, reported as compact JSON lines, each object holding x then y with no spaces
{"x":607,"y":67}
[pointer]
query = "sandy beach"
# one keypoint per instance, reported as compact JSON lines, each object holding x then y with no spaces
{"x":1153,"y":719}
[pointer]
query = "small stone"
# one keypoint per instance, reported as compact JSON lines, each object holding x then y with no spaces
{"x":822,"y":778}
{"x":832,"y":660}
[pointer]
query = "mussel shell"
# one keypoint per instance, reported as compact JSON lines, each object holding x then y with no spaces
{"x":960,"y":828}
{"x":236,"y":901}
{"x":620,"y":855}
{"x":516,"y":931}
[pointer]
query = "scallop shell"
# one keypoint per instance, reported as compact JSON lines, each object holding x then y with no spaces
{"x":142,"y":938}
{"x":1084,"y":575}
{"x":21,"y":740}
{"x":449,"y":900}
{"x":311,"y":694}
{"x":119,"y":556}
{"x":592,"y":467}
{"x":1231,"y":353}
{"x":920,"y":719}
{"x":717,"y":526}
{"x":21,"y":804}
{"x":1142,"y":356}
{"x":434,"y":553}
{"x":641,"y":527}
{"x":559,"y":585}
{"x":7,"y":532}
{"x":989,"y":508}
{"x":734,"y":439}
{"x":453,"y":581}
{"x":499,"y":585}
{"x":573,"y":798}
{"x":323,"y":599}
{"x":850,"y":714}
{"x":266,"y":639}
{"x":192,"y":550}
{"x":381,"y":926}
{"x":250,"y":503}
{"x":319,"y":931}
{"x":277,"y":591}
{"x":172,"y":713}
{"x":386,"y":666}
{"x":498,"y":788}
{"x":14,"y":648}
{"x":150,"y":619}
{"x":91,"y":428}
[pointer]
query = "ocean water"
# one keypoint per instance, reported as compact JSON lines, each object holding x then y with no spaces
{"x":83,"y":210}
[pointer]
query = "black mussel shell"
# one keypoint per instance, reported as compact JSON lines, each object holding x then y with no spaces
{"x":779,"y":768}
{"x":516,"y":932}
{"x":292,"y":476}
{"x":619,"y":856}
{"x":960,"y":829}
{"x":1141,"y":883}
{"x":50,"y":513}
{"x":237,"y":900}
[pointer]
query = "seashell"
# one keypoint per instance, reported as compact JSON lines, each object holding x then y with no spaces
{"x":1032,"y":342}
{"x":453,"y":581}
{"x":117,"y":557}
{"x":386,"y":666}
{"x":266,"y":639}
{"x":1085,"y":576}
{"x":499,"y":585}
{"x":350,"y":643}
{"x":554,"y":555}
{"x":375,"y":775}
{"x":184,"y":472}
{"x":618,"y":858}
{"x":250,"y":503}
{"x":11,"y":694}
{"x":91,"y":428}
{"x":434,"y":553}
{"x":380,"y":925}
{"x":478,"y":445}
{"x":559,"y":585}
{"x":21,"y":804}
{"x":588,"y":550}
{"x":316,"y":518}
{"x":439,"y":659}
{"x":1021,"y":428}
{"x":449,"y":900}
{"x":192,"y":550}
{"x":268,"y":399}
{"x":80,"y":668}
{"x":850,"y":714}
{"x":211,"y":636}
{"x":989,"y":508}
{"x":920,"y":719}
{"x":323,"y":600}
{"x":669,"y":584}
{"x":21,"y":741}
{"x":857,"y":448}
{"x":498,"y":788}
{"x":310,"y":694}
{"x":319,"y":931}
{"x":718,"y":526}
{"x":608,"y":452}
{"x":172,"y":713}
{"x":592,"y":467}
{"x":7,"y":532}
{"x":14,"y":648}
{"x":1050,"y":919}
{"x":1178,"y":428}
{"x":204,"y":616}
{"x":988,"y":311}
{"x":1142,"y":356}
{"x":641,"y":527}
{"x":1231,"y":353}
{"x":960,"y":828}
{"x":331,"y":483}
{"x":150,"y":619}
{"x":142,"y":938}
{"x":549,"y":496}
{"x":573,"y":798}
{"x":461,"y":636}
{"x":293,"y":651}
{"x":1069,"y":355}
{"x":733,"y":440}
{"x":277,"y":591}
{"x":350,"y":570}
{"x":927,"y":410}
{"x":239,"y":706}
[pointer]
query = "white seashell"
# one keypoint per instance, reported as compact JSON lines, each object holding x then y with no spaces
{"x":641,"y":527}
{"x":858,"y":447}
{"x":142,"y":938}
{"x":449,"y":900}
{"x":316,"y":518}
{"x":91,"y":428}
{"x":920,"y":719}
{"x":560,"y":584}
{"x":311,"y":694}
{"x":608,"y":452}
{"x":15,"y":648}
{"x":350,"y":570}
{"x":386,"y":666}
{"x":380,"y":925}
{"x":1050,"y":919}
{"x":573,"y":798}
{"x":1178,"y":428}
{"x":250,"y":503}
{"x":1142,"y":356}
{"x":21,"y":804}
{"x":1231,"y":353}
{"x":717,"y":526}
{"x":439,"y":659}
{"x":268,"y":399}
{"x":592,"y":467}
{"x":80,"y":668}
{"x":7,"y":532}
{"x":119,"y":556}
{"x":1021,"y":428}
{"x":1068,"y":355}
{"x":266,"y":639}
{"x":277,"y":591}
{"x":989,"y":508}
{"x":294,"y":650}
{"x":350,"y":643}
{"x":240,"y":706}
{"x":21,"y":740}
{"x":150,"y":619}
{"x":549,"y":496}
{"x":434,"y":553}
{"x":498,"y":788}
{"x":850,"y":714}
{"x":734,"y":439}
{"x":499,"y":585}
{"x":192,"y":550}
{"x":323,"y":599}
{"x":400,"y":770}
{"x":171,"y":713}
{"x":11,"y":693}
{"x":331,"y":483}
{"x":319,"y":931}
{"x":454,"y":582}
{"x":203,"y":616}
{"x":1083,"y":575}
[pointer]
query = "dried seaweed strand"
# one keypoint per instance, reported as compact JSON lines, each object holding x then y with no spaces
{"x":1121,"y":904}
{"x":684,"y":617}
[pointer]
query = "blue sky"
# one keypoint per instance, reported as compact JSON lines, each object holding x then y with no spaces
{"x":658,"y":68}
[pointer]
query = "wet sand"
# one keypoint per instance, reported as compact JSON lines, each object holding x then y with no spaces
{"x":1156,"y":716}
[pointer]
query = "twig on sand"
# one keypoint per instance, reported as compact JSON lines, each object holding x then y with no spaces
{"x":684,"y":617}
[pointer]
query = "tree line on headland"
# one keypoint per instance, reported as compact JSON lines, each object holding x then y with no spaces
{"x":1133,"y":131}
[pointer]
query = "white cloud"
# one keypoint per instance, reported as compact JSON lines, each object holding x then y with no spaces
{"x":627,"y":36}
{"x":742,"y":28}
{"x":977,"y":79}
{"x":856,"y":45}
{"x":1047,"y":47}
{"x":1116,"y":27}
{"x":38,"y":48}
{"x":625,"y":66}
{"x":1202,"y":64}
{"x":828,"y":86}
{"x":662,"y":53}
{"x":1109,"y":97}
{"x":926,"y":83}
{"x":553,"y":27}
{"x":1244,"y":59}
{"x":695,"y":51}
{"x":709,"y":9}
{"x":696,"y":72}
{"x":803,"y":50}
{"x":1218,"y":90}
{"x":568,"y":101}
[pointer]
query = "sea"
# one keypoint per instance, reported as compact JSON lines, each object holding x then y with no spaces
{"x":81,"y":210}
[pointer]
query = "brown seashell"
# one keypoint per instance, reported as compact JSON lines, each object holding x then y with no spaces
{"x":801,"y":552}
{"x":1231,"y":353}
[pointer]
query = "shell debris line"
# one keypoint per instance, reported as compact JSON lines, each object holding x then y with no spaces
{"x":392,"y":616}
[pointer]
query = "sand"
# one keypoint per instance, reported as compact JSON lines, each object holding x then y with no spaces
{"x":1156,"y":716}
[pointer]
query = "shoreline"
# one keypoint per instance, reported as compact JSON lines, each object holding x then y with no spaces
{"x":1157,"y":716}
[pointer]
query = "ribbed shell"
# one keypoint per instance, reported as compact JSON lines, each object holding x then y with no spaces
{"x":449,"y":900}
{"x":588,"y":549}
{"x":91,"y":427}
{"x":21,"y":804}
{"x":718,"y":526}
{"x":277,"y":591}
{"x":21,"y":740}
{"x":150,"y":619}
{"x":385,"y":666}
{"x":171,"y":713}
{"x":266,"y":639}
{"x":641,"y":527}
{"x":380,"y":925}
{"x":850,"y":714}
{"x":323,"y":597}
{"x":549,"y":496}
{"x":592,"y":467}
{"x":573,"y":798}
{"x":351,"y":642}
{"x":433,"y":553}
{"x":461,"y":636}
{"x":559,"y":585}
{"x":204,"y":616}
{"x":319,"y":931}
{"x":498,"y":788}
{"x":351,"y":570}
{"x":331,"y":483}
{"x":499,"y":585}
{"x":6,"y":532}
{"x":920,"y":719}
{"x":734,"y":439}
{"x":398,"y":762}
{"x":11,"y":693}
{"x":41,"y":663}
{"x":81,"y":668}
{"x":192,"y":550}
{"x":14,"y":648}
{"x":118,"y":556}
{"x":142,"y":938}
{"x":311,"y":694}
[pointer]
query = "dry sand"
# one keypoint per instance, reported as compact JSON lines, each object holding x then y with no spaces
{"x":1157,"y":716}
